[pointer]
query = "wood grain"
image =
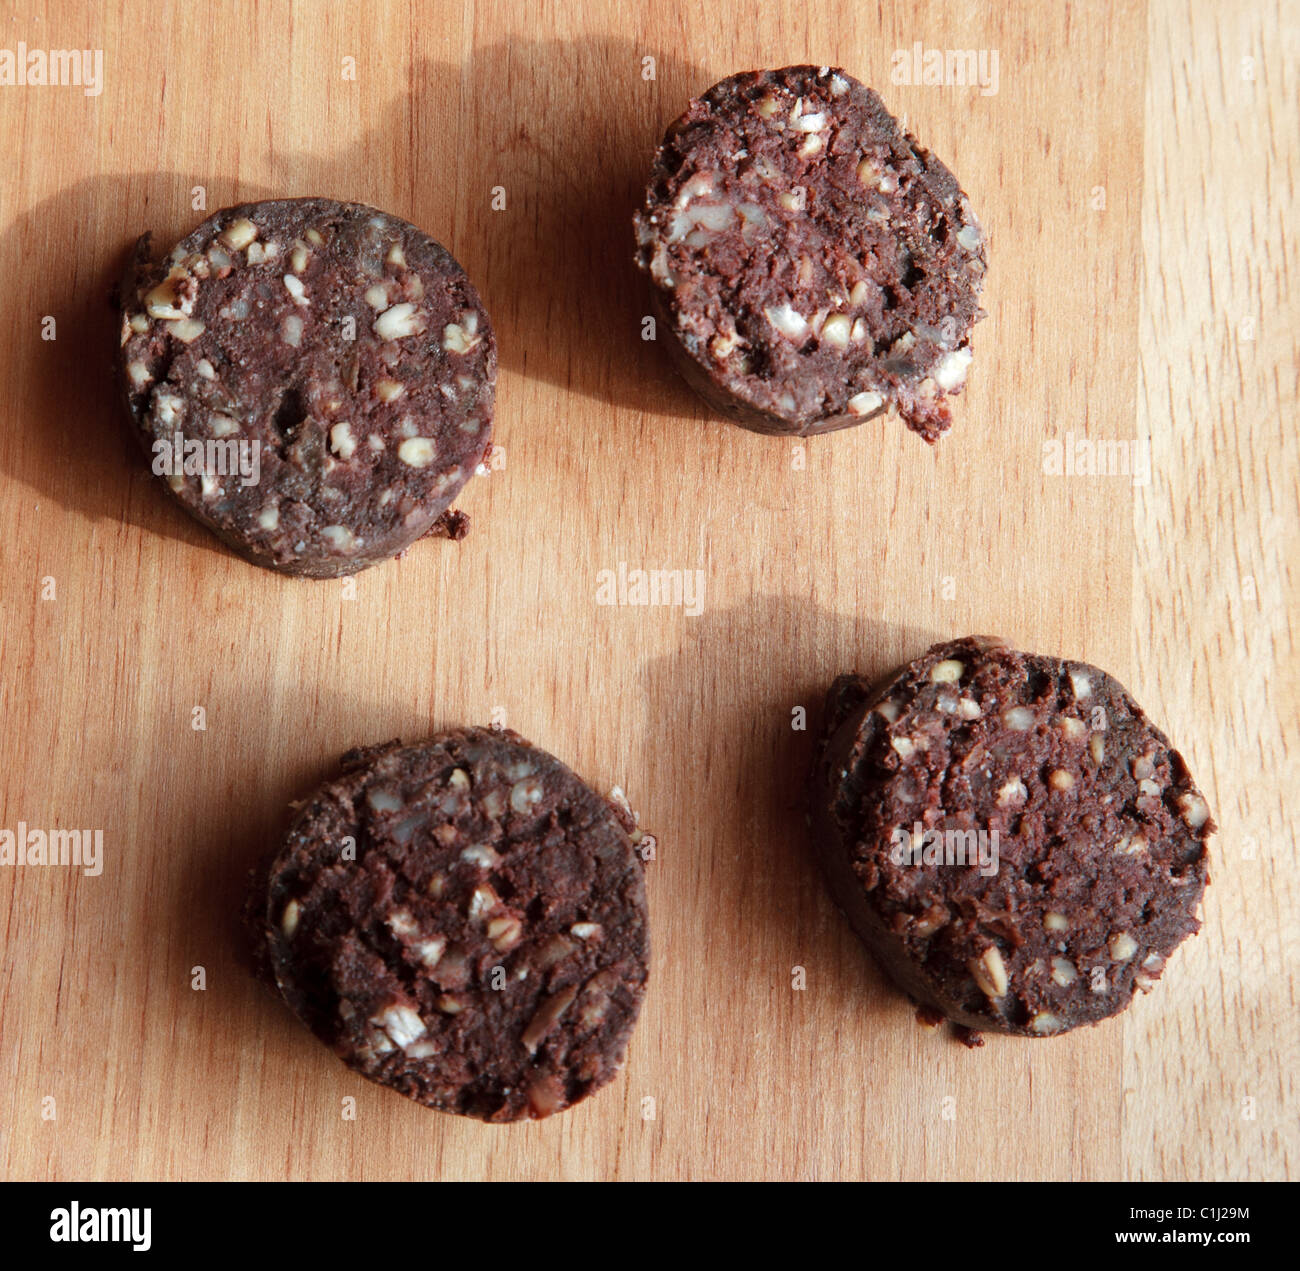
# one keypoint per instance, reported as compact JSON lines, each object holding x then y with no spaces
{"x":1217,"y":534}
{"x":1134,"y":186}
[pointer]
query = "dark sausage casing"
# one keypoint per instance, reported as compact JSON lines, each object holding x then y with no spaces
{"x":812,"y":264}
{"x":1099,"y":831}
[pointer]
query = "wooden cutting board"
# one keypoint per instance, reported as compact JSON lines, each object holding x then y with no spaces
{"x":1135,"y":170}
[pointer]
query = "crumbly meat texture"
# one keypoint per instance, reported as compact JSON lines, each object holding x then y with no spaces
{"x":812,"y":263}
{"x":1101,"y":835}
{"x":486,"y":950}
{"x":342,"y":345}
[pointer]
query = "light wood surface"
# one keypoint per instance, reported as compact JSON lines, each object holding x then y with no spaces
{"x":1136,"y":177}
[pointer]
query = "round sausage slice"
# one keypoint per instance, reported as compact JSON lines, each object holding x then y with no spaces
{"x":812,"y":263}
{"x":462,"y":920}
{"x":314,"y":381}
{"x":1015,"y":841}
